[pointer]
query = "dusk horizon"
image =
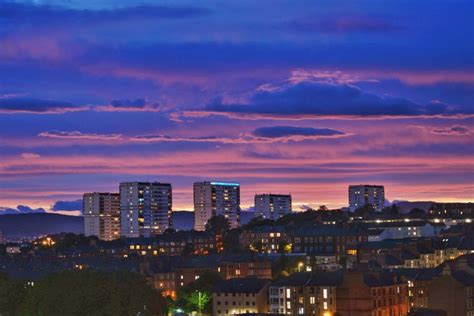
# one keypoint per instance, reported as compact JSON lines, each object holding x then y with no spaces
{"x":327,"y":95}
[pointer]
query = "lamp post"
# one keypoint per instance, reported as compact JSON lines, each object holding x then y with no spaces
{"x":199,"y":302}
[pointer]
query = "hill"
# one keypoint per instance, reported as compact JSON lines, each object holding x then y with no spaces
{"x":19,"y":226}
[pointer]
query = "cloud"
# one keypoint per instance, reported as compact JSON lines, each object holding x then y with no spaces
{"x":68,"y":206}
{"x":346,"y":24}
{"x":260,"y":135}
{"x":37,"y":106}
{"x":80,"y":136}
{"x":132,"y":105}
{"x":29,"y":156}
{"x":456,"y":130}
{"x":285,"y":131}
{"x":27,"y":13}
{"x":319,"y":99}
{"x":13,"y":104}
{"x":20,"y":209}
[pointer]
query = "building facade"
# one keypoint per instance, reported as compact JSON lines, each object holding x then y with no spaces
{"x":266,"y":239}
{"x":102,"y":215}
{"x":145,"y":208}
{"x":363,"y":294}
{"x":366,"y":195}
{"x":216,"y":198}
{"x":304,"y":293}
{"x":240,"y":296}
{"x":272,"y":206}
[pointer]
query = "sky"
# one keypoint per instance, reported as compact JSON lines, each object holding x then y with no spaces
{"x":301,"y":97}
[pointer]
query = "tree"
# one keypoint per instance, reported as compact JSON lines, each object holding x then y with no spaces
{"x":323,"y":208}
{"x":188,"y":249}
{"x":258,"y":246}
{"x":258,"y":222}
{"x":417,"y":212}
{"x":93,"y":293}
{"x":284,"y":247}
{"x":218,"y":225}
{"x":11,"y":295}
{"x":197,"y":296}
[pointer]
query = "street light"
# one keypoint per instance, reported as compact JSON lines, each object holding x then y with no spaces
{"x":300,"y":266}
{"x":199,"y":301}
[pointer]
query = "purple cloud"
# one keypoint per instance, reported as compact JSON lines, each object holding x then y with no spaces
{"x":454,"y":130}
{"x":75,"y":205}
{"x":324,"y":99}
{"x":285,"y":131}
{"x":20,"y":209}
{"x":346,"y":24}
{"x":49,"y":14}
{"x":38,"y":106}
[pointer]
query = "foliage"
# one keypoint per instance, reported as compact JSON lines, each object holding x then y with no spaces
{"x":218,"y":225}
{"x":88,"y":293}
{"x":258,"y":222}
{"x":188,"y":249}
{"x":11,"y":295}
{"x":284,"y":247}
{"x":198,"y":294}
{"x":231,"y":240}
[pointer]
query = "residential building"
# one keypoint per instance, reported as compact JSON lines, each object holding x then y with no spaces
{"x":404,"y":229}
{"x":266,"y":239}
{"x":369,"y":294}
{"x":453,"y":210}
{"x":216,"y":198}
{"x":366,"y":195}
{"x":272,"y":206}
{"x":145,"y":208}
{"x":305,"y":293}
{"x":413,"y":253}
{"x":2,"y":239}
{"x":240,"y":296}
{"x":228,"y":266}
{"x":327,"y":240}
{"x":453,"y":290}
{"x":174,"y":244}
{"x":102,"y":215}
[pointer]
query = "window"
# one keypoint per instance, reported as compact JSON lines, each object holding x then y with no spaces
{"x":312,"y":300}
{"x":301,"y":311}
{"x":325,"y":305}
{"x":325,"y":293}
{"x":288,"y":293}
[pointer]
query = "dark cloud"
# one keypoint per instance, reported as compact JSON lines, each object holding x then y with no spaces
{"x":285,"y":131}
{"x":28,"y":13}
{"x":75,"y":205}
{"x":128,"y":103}
{"x":20,"y":209}
{"x":39,"y":106}
{"x":346,"y":24}
{"x":322,"y":99}
{"x":454,"y":130}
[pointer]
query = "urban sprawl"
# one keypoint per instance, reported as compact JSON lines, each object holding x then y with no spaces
{"x":369,"y":258}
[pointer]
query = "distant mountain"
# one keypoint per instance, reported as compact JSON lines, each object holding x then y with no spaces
{"x":19,"y":226}
{"x":183,"y":220}
{"x":16,"y":226}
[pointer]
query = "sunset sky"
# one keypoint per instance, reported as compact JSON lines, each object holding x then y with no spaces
{"x":300,"y":97}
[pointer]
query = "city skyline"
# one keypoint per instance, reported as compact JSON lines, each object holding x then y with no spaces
{"x":306,"y":103}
